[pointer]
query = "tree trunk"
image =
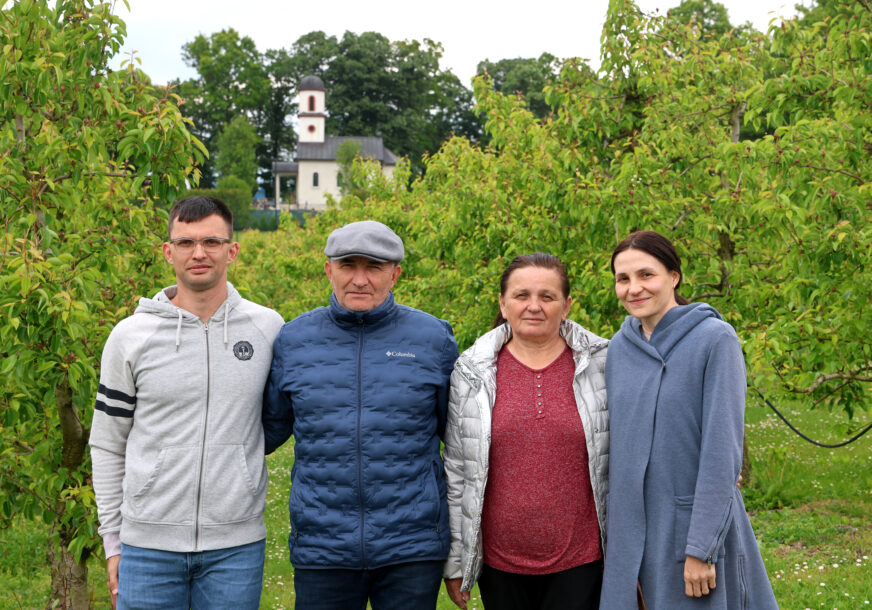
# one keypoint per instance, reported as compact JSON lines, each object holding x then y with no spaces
{"x":69,"y":578}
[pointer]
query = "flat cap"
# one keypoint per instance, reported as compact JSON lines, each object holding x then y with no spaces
{"x":366,"y":238}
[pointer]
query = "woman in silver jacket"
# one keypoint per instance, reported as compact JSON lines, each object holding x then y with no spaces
{"x":527,"y":465}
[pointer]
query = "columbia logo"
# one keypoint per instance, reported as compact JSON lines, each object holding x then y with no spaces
{"x":391,"y":354}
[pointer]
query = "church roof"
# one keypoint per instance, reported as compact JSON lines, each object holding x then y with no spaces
{"x":284,"y":167}
{"x":372,"y":147}
{"x":311,"y":83}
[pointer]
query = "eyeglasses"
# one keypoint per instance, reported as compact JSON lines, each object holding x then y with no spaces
{"x":210,"y":244}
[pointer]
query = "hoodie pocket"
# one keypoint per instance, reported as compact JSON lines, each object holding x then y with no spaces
{"x":169,"y":492}
{"x":229,"y":490}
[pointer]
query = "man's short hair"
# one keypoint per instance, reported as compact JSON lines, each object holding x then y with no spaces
{"x":198,"y":207}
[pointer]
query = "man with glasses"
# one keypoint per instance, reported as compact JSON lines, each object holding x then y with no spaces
{"x":177,"y":443}
{"x":362,"y":385}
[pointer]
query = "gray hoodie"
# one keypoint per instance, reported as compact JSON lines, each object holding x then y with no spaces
{"x":176,"y":441}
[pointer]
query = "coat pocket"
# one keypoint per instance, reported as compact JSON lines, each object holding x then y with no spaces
{"x":681,"y":525}
{"x":743,"y":588}
{"x":169,"y":492}
{"x":434,"y":499}
{"x":230,"y":493}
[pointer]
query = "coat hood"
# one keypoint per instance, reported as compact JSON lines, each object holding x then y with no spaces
{"x":671,"y":329}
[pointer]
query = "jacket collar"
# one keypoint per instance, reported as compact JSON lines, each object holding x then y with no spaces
{"x":347,"y":317}
{"x":482,"y":356}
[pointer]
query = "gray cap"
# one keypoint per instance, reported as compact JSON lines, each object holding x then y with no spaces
{"x":366,"y":238}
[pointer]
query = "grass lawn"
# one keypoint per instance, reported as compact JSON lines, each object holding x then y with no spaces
{"x":811,"y":509}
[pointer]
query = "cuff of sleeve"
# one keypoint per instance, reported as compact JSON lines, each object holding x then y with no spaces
{"x":700,"y":554}
{"x":451,"y":569}
{"x":112,"y":543}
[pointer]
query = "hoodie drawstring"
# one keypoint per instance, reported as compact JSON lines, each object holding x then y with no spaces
{"x":179,"y":325}
{"x":179,"y":330}
{"x":226,"y":315}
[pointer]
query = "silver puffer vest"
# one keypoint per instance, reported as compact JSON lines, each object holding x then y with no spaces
{"x":468,"y":436}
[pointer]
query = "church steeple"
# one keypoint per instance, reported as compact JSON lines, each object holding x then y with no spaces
{"x":312,"y":109}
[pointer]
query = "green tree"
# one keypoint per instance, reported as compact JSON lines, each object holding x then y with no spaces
{"x":235,"y":152}
{"x":376,"y":87}
{"x":775,"y":231}
{"x":346,"y":154}
{"x":821,"y":10}
{"x":710,"y":16}
{"x":525,"y":77}
{"x":87,"y":153}
{"x":236,"y":193}
{"x":232,"y":80}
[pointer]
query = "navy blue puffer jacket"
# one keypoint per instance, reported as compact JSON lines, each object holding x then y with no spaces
{"x":365,"y":396}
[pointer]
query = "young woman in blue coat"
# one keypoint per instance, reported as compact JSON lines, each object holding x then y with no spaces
{"x":675,"y":378}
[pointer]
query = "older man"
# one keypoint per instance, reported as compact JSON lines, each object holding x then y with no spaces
{"x":362,"y":385}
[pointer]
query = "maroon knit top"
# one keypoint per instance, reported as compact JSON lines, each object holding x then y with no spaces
{"x":539,"y":515}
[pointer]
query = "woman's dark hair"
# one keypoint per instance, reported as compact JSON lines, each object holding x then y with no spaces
{"x":537,"y":259}
{"x":651,"y":242}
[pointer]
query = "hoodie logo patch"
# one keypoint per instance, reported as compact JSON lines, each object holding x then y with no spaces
{"x":243,"y":350}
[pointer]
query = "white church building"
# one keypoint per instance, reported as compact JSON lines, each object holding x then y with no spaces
{"x":315,"y":165}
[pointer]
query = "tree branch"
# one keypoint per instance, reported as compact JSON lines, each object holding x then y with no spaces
{"x":736,"y":121}
{"x":26,"y":449}
{"x":852,"y":376}
{"x":680,"y":219}
{"x":694,"y":164}
{"x":708,"y":295}
{"x":837,"y":171}
{"x":26,"y":489}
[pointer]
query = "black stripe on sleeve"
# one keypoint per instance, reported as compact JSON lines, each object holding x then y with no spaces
{"x":116,"y":395}
{"x":114,"y":411}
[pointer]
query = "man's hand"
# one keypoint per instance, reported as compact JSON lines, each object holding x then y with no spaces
{"x":452,"y":585}
{"x":112,"y":576}
{"x":699,"y":577}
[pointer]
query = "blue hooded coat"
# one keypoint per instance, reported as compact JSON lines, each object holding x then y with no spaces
{"x":677,"y":407}
{"x":365,"y":395}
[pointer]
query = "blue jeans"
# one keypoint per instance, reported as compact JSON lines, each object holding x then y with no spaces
{"x":398,"y":587}
{"x":224,"y":578}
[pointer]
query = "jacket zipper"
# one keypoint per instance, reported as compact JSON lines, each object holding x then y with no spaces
{"x":722,"y":530}
{"x":482,"y":403}
{"x":202,"y":447}
{"x":359,"y":449}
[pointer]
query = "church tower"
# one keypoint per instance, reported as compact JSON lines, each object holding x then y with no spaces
{"x":312,"y":110}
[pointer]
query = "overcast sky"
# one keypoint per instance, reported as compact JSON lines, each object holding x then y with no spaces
{"x":470,"y":30}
